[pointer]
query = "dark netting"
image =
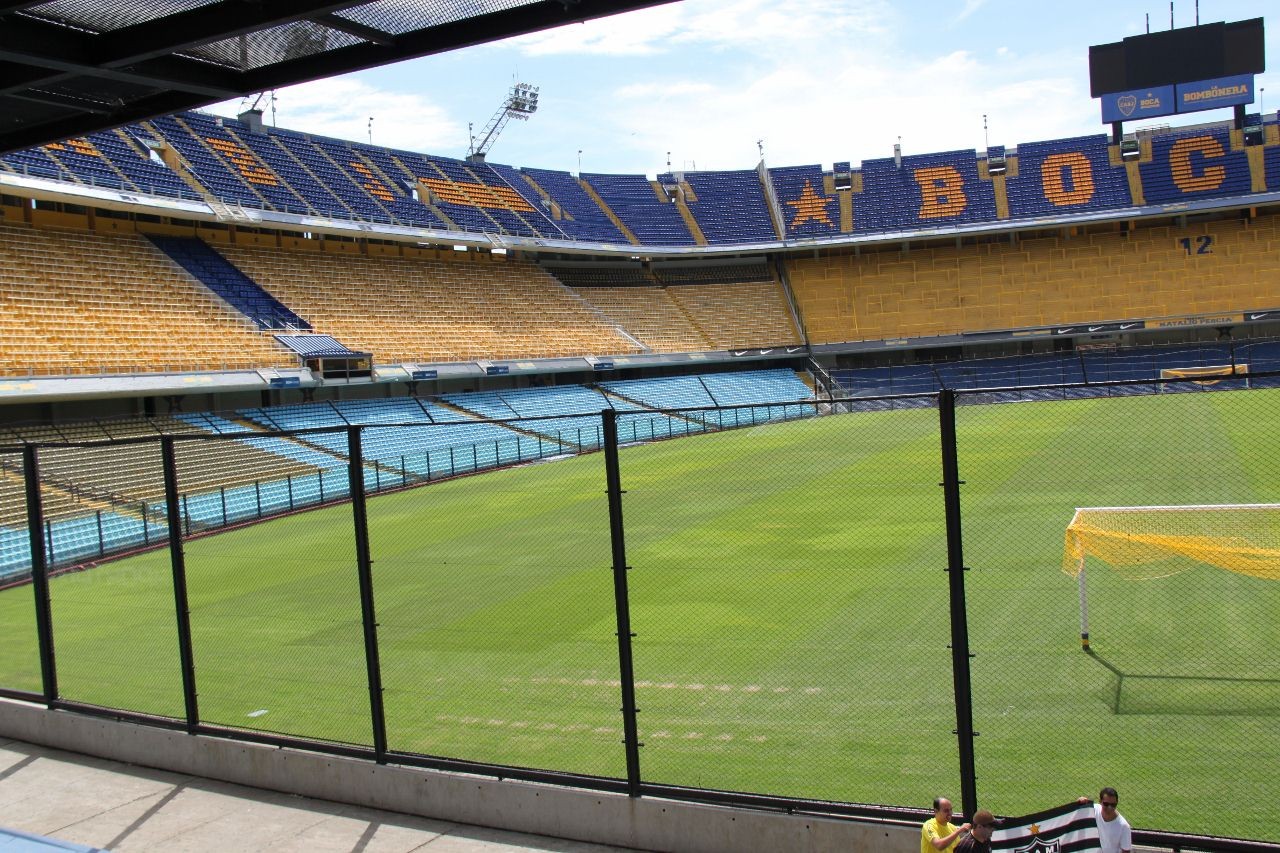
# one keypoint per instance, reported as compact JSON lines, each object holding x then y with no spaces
{"x":789,"y":601}
{"x":274,"y":44}
{"x":107,"y":15}
{"x":19,"y":648}
{"x":402,"y":16}
{"x":495,"y":601}
{"x":1176,"y":699}
{"x":114,"y":629}
{"x":275,"y":608}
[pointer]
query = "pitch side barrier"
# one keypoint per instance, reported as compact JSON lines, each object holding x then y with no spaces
{"x":966,"y":526}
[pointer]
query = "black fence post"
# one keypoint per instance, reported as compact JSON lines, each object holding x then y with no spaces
{"x":621,"y":598}
{"x":39,"y":574}
{"x":177,"y":560}
{"x":360,"y":519}
{"x":951,"y":483}
{"x":102,"y":545}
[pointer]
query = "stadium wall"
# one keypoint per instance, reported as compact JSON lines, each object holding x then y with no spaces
{"x":598,"y":817}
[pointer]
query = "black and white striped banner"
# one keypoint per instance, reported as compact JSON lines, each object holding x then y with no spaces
{"x":1065,"y":829}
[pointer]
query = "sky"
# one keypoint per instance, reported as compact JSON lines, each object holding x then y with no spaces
{"x":714,"y":84}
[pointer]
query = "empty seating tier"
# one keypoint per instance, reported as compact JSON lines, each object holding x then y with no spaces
{"x":1222,"y":266}
{"x":77,"y":302}
{"x":405,"y":310}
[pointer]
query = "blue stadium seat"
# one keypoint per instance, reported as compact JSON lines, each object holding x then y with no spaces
{"x":1064,"y":176}
{"x":225,"y":279}
{"x":928,"y":191}
{"x":807,"y":210}
{"x":1194,"y":164}
{"x":633,"y":200}
{"x":730,"y":207}
{"x":589,"y":222}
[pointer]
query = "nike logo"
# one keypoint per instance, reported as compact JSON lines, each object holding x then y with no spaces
{"x":766,"y":351}
{"x":793,"y":349}
{"x":1259,"y":316}
{"x":1096,"y":328}
{"x":1124,"y":326}
{"x":1064,"y":331}
{"x":739,"y":352}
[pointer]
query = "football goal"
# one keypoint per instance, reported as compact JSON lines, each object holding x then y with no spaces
{"x":1148,"y":542}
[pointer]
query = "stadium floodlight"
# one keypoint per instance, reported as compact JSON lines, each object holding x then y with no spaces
{"x":1149,"y":542}
{"x":521,"y":102}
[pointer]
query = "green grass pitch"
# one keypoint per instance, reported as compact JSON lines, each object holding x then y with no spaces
{"x":790,"y":604}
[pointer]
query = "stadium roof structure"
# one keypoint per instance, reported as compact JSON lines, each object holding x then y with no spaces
{"x":70,"y":67}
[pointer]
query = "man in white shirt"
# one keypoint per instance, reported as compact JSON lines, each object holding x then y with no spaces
{"x":1114,"y":833}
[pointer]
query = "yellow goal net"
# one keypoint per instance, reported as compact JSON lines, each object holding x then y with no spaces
{"x":1210,"y":375}
{"x":1147,"y":542}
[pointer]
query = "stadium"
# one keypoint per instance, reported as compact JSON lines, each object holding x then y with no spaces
{"x":742,"y":489}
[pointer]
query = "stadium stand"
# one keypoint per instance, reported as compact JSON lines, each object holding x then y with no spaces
{"x":1064,"y":176}
{"x":1149,"y":272}
{"x":130,"y":154}
{"x":386,"y":176}
{"x":36,"y":162}
{"x":730,"y":207}
{"x":78,"y":302}
{"x":406,"y":310}
{"x":926,"y":191}
{"x":1050,"y":369}
{"x":585,"y":220}
{"x":1194,"y":164}
{"x":807,"y":210}
{"x":649,"y":314}
{"x":208,"y":169}
{"x":1271,"y":167}
{"x":739,"y":315}
{"x":84,"y":162}
{"x":218,"y":137}
{"x":216,"y":273}
{"x":654,"y":220}
{"x":128,"y":474}
{"x":464,"y":196}
{"x":296,"y":173}
{"x":292,"y":172}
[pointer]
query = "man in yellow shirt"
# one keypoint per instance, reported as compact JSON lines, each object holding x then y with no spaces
{"x":939,"y":834}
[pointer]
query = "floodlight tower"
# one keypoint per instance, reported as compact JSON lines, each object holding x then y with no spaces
{"x":521,"y":102}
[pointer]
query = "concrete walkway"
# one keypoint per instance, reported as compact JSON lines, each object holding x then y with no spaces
{"x":123,"y":808}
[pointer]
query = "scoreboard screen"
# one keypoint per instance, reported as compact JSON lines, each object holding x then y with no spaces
{"x":1183,"y":55}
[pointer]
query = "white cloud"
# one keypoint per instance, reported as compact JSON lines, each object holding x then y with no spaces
{"x":341,"y":107}
{"x":769,"y":25}
{"x":970,"y":6}
{"x":807,"y":114}
{"x":677,"y":89}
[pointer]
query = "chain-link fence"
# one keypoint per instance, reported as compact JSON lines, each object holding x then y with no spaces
{"x":780,"y":603}
{"x":774,"y":624}
{"x":1176,"y":698}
